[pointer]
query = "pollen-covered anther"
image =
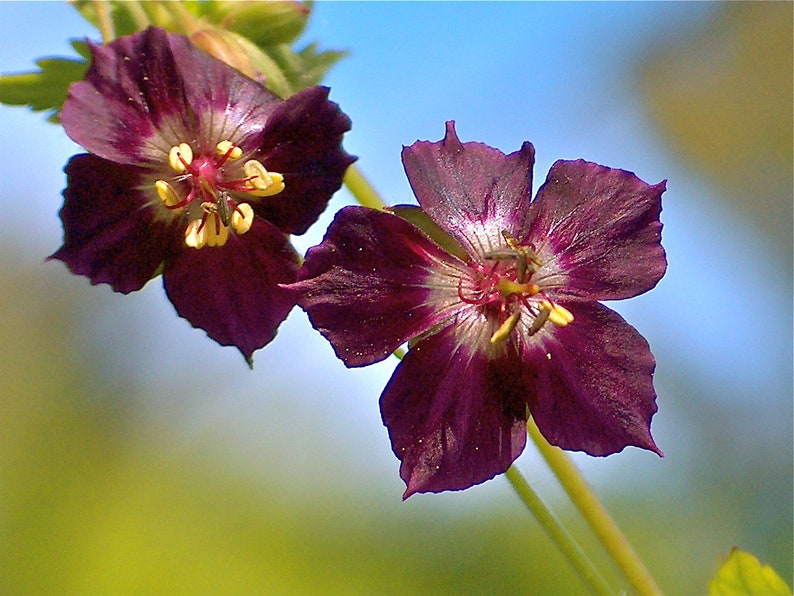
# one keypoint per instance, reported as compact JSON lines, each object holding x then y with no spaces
{"x":506,"y":328}
{"x":559,"y":315}
{"x":180,"y":157}
{"x":207,"y":231}
{"x":229,"y":150}
{"x":260,"y":182}
{"x":167,"y":194}
{"x":508,"y":287}
{"x":242,"y":218}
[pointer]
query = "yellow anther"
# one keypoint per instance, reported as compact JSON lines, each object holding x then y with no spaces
{"x":506,"y":328}
{"x":206,"y":232}
{"x":508,"y":287}
{"x":559,"y":315}
{"x":180,"y":156}
{"x":167,"y":194}
{"x":242,"y":218}
{"x":194,"y":234}
{"x":227,"y":147}
{"x":262,"y":183}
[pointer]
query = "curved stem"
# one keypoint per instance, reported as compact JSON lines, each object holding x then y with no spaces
{"x":568,"y":547}
{"x":596,"y":514}
{"x":138,"y":14}
{"x":361,"y":189}
{"x":106,"y":28}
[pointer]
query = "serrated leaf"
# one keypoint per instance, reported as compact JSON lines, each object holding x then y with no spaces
{"x":744,"y":575}
{"x":45,"y":89}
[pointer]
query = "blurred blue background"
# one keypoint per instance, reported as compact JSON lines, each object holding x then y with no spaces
{"x":137,"y":455}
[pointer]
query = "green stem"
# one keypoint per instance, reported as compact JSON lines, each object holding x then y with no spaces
{"x":564,"y":541}
{"x":182,"y":17}
{"x":138,"y":14}
{"x":596,"y":514}
{"x":106,"y":28}
{"x":362,"y":190}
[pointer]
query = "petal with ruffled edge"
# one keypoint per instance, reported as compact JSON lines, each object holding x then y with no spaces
{"x":232,"y":292}
{"x":146,"y":92}
{"x":473,"y":191}
{"x":118,"y":241}
{"x":455,"y":418}
{"x":593,"y":390}
{"x":597,"y":231}
{"x":303,"y":141}
{"x":375,"y":282}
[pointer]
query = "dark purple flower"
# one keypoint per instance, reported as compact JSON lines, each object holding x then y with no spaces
{"x":497,"y":296}
{"x":197,"y":172}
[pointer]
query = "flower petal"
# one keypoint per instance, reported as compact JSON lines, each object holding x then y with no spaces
{"x":593,"y":389}
{"x":473,"y":191}
{"x":146,"y":92}
{"x":455,"y":418}
{"x":232,"y":292}
{"x":110,"y":236}
{"x":303,"y":141}
{"x":365,"y":287}
{"x":598,"y":232}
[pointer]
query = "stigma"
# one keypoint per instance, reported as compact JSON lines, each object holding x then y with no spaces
{"x":207,"y":189}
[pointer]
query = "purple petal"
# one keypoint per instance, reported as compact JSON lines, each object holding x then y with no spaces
{"x":110,"y":236}
{"x":232,"y":292}
{"x":303,"y":141}
{"x":365,"y":286}
{"x":473,"y":191}
{"x":598,"y":232}
{"x":145,"y":92}
{"x":593,"y":390}
{"x":455,"y":419}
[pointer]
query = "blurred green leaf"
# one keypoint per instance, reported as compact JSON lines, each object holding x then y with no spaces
{"x":45,"y":89}
{"x":744,"y":575}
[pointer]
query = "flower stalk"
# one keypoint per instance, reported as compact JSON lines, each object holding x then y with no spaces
{"x":558,"y":534}
{"x":106,"y":28}
{"x":596,"y":515}
{"x":361,"y":189}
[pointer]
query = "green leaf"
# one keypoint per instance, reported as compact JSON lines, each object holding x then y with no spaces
{"x":744,"y":575}
{"x":44,"y":90}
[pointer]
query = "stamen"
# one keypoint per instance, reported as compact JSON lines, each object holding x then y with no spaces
{"x":167,"y":194}
{"x":539,"y":321}
{"x":180,"y":157}
{"x":559,"y":315}
{"x":194,"y":236}
{"x":242,"y":218}
{"x":506,"y":328}
{"x":228,"y":150}
{"x":260,"y":182}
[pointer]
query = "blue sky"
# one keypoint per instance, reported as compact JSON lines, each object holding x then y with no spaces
{"x":562,"y":75}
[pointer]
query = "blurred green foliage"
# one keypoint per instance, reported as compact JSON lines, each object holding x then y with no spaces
{"x":723,"y":102}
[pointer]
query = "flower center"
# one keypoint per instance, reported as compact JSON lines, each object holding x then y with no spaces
{"x":502,"y":286}
{"x":202,"y":189}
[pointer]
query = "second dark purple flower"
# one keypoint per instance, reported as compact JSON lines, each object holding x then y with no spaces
{"x":497,"y":295}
